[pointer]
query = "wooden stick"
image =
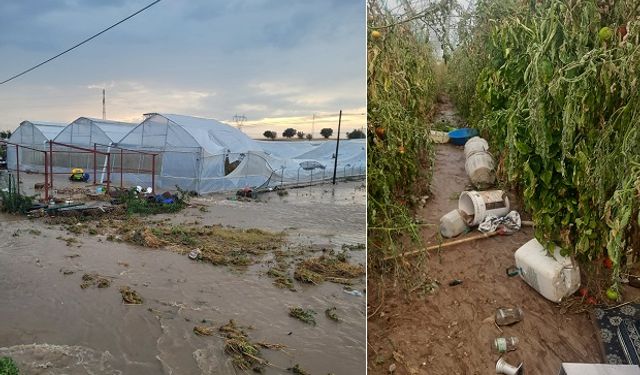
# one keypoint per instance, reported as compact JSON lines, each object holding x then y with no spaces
{"x":446,"y":244}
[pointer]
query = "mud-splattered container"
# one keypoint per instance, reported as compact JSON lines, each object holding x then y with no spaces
{"x":452,"y":224}
{"x":476,"y":205}
{"x":552,"y":275}
{"x":475,"y":144}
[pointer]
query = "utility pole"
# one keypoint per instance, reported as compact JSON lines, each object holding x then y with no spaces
{"x":239,"y":120}
{"x":335,"y":163}
{"x":104,"y":105}
{"x":313,"y":125}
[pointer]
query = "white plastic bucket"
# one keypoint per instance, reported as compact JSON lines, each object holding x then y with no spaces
{"x":475,"y":144}
{"x":439,"y":137}
{"x":553,"y":276}
{"x":452,"y":224}
{"x":476,"y":205}
{"x":480,"y":169}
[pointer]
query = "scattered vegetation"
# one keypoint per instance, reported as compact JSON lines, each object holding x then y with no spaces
{"x":94,"y":279}
{"x":244,"y":353}
{"x":218,"y":245}
{"x":331,"y":313}
{"x":130,"y":296}
{"x":304,"y":315}
{"x":327,"y":267}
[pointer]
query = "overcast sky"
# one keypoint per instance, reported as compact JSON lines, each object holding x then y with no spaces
{"x":275,"y":61}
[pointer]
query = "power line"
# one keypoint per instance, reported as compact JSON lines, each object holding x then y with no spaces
{"x":81,"y":43}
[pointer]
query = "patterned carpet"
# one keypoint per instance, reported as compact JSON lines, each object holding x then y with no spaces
{"x":619,"y":331}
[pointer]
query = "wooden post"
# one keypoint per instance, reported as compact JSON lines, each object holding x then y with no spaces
{"x":335,"y":163}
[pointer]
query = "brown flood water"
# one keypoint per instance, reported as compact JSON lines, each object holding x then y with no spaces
{"x":49,"y":325}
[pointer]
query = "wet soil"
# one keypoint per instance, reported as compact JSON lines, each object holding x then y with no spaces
{"x":50,"y":325}
{"x":450,"y":330}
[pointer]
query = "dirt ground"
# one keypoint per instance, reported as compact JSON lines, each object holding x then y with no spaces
{"x":450,"y":330}
{"x":51,"y":325}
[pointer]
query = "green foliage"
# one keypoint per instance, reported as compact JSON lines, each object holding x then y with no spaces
{"x":270,"y":134}
{"x":326,"y":132}
{"x":289,"y":132}
{"x":12,"y":200}
{"x":138,"y":204}
{"x":561,"y":104}
{"x":300,"y":134}
{"x":8,"y":366}
{"x":356,"y":134}
{"x":401,"y":92}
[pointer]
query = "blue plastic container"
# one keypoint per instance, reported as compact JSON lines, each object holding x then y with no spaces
{"x":461,"y":136}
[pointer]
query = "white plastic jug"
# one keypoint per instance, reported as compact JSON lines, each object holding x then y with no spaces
{"x":476,"y":205}
{"x":475,"y":144}
{"x":553,"y":276}
{"x":452,"y":224}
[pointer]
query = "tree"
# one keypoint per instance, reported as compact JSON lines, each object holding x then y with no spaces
{"x":270,"y":134}
{"x":289,"y":132}
{"x":5,"y":134}
{"x":300,"y":135}
{"x":326,"y":132}
{"x":309,"y":137}
{"x":356,"y":134}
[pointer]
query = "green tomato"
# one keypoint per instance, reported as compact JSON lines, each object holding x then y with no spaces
{"x":605,"y":34}
{"x":612,"y":294}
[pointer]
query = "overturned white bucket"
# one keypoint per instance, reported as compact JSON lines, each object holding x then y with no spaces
{"x":476,"y":205}
{"x":552,"y":275}
{"x":475,"y":144}
{"x":452,"y":224}
{"x":480,"y":169}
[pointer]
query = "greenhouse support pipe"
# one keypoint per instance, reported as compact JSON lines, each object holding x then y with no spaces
{"x":46,"y":179}
{"x":95,"y":161}
{"x":18,"y":169}
{"x":335,"y":163}
{"x":153,"y":174}
{"x":51,"y":163}
{"x":108,"y":171}
{"x":120,"y":168}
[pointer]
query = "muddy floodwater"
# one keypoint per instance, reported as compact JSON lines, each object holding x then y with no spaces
{"x":49,"y":325}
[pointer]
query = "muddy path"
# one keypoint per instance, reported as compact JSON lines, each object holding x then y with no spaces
{"x":49,"y":325}
{"x":450,"y":330}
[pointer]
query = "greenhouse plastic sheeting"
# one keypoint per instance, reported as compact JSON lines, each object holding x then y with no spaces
{"x":205,"y":155}
{"x":34,"y":134}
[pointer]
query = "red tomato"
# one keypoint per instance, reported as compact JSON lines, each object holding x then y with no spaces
{"x":592,"y":301}
{"x":608,"y":263}
{"x":583,"y":292}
